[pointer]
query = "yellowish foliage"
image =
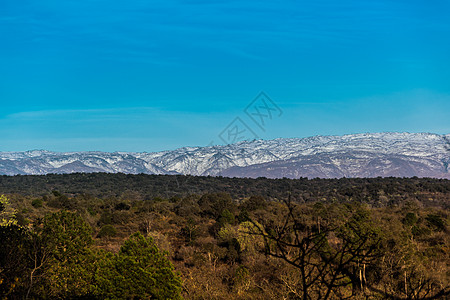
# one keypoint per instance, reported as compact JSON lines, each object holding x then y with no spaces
{"x":7,"y":213}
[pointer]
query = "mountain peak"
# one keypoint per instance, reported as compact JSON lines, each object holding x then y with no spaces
{"x":352,"y":155}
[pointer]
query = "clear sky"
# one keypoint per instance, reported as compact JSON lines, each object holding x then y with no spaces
{"x":155,"y":75}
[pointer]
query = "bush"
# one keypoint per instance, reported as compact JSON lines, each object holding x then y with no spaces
{"x":36,"y":203}
{"x":410,"y":219}
{"x":107,"y":231}
{"x":140,"y":271}
{"x":122,"y":206}
{"x":436,"y":222}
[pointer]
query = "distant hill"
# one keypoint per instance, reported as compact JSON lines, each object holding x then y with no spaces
{"x":355,"y":155}
{"x":429,"y":192}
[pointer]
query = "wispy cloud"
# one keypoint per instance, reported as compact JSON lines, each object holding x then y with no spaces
{"x":214,"y":55}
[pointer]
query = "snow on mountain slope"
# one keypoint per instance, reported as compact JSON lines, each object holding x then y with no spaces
{"x":355,"y":155}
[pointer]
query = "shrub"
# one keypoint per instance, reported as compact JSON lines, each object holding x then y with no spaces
{"x":36,"y":203}
{"x":436,"y":222}
{"x":140,"y":271}
{"x":107,"y":231}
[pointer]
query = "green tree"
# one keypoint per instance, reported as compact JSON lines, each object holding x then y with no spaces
{"x":107,"y":231}
{"x":213,"y":205}
{"x":226,"y":218}
{"x":66,"y":239}
{"x":254,"y":203}
{"x":140,"y":270}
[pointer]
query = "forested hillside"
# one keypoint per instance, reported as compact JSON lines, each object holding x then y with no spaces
{"x":146,"y":236}
{"x":375,"y":191}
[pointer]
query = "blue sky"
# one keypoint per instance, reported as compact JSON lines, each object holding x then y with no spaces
{"x":156,"y":75}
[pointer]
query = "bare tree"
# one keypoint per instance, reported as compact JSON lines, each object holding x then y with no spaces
{"x":334,"y":259}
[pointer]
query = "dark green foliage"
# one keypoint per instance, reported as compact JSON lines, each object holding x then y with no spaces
{"x":188,"y":207}
{"x":140,"y":270}
{"x":58,"y":262}
{"x":14,"y":251}
{"x":214,"y":204}
{"x":436,"y":222}
{"x":58,"y":200}
{"x":107,"y":231}
{"x":254,"y":203}
{"x":113,"y":217}
{"x":226,"y":218}
{"x":233,"y":254}
{"x":420,"y":231}
{"x":122,"y":206}
{"x":37,"y":203}
{"x":243,"y":216}
{"x":56,"y":193}
{"x":410,"y":219}
{"x":66,"y":233}
{"x":66,"y":239}
{"x":430,"y":192}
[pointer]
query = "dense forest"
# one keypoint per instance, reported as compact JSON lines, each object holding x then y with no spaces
{"x":121,"y":236}
{"x":375,"y":191}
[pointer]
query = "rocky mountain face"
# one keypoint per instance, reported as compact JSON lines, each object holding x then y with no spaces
{"x":355,"y":155}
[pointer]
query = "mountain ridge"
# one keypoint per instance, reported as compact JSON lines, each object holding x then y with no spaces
{"x":399,"y":154}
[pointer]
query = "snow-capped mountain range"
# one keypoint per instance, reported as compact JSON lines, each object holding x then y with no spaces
{"x":355,"y":155}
